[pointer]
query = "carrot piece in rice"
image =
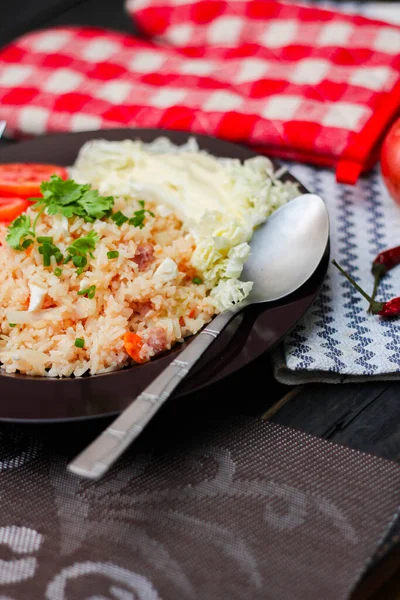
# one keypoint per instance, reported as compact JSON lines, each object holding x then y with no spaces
{"x":133,"y":344}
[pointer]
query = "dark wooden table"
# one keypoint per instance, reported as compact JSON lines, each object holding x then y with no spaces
{"x":362,"y":416}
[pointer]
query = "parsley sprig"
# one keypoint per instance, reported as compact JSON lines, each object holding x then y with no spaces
{"x":71,"y":199}
{"x":20,"y":232}
{"x":64,"y":197}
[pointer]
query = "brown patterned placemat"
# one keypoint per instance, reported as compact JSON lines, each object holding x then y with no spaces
{"x":246,"y":510}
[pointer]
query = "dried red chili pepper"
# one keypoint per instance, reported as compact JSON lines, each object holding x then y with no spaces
{"x":382,"y":263}
{"x":391,"y":308}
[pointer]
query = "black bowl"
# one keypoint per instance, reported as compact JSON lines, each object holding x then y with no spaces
{"x":252,"y":333}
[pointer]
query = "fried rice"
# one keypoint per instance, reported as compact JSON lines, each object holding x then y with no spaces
{"x":147,"y":280}
{"x":139,"y":291}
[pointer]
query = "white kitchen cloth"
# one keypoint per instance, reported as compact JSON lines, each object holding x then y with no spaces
{"x":337,"y":340}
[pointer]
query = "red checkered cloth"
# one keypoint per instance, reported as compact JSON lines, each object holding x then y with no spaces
{"x":291,"y":81}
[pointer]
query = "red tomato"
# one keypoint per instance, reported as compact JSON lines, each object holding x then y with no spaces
{"x":11,"y":208}
{"x":24,"y":179}
{"x":390,"y":161}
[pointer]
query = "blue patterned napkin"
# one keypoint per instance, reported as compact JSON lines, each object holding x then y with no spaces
{"x":337,"y":340}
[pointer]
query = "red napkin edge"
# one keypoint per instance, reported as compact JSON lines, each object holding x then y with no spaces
{"x":363,"y":151}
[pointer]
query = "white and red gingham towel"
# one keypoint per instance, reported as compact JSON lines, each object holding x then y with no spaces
{"x":291,"y":81}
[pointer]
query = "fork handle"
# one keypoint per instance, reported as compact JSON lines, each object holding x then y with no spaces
{"x":95,"y":460}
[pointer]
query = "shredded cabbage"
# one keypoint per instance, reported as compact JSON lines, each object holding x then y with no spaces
{"x":229,"y":292}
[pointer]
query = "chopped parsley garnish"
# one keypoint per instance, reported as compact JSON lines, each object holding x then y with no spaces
{"x":12,"y":324}
{"x":19,"y":230}
{"x":83,"y":245}
{"x":197,"y":280}
{"x":79,"y":248}
{"x":57,"y":272}
{"x":79,"y":342}
{"x":25,"y":245}
{"x":89,"y":292}
{"x":119,"y":218}
{"x":71,"y":199}
{"x":113,"y":254}
{"x":48,"y":249}
{"x":138,"y":216}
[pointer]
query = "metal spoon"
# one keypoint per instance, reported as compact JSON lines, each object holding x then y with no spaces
{"x":285,"y":251}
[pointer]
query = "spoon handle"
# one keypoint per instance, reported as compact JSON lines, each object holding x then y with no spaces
{"x":95,"y":460}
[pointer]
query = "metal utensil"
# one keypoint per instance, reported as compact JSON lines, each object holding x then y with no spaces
{"x":285,"y":251}
{"x":3,"y":125}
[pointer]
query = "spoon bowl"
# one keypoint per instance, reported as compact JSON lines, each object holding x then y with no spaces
{"x":287,"y":249}
{"x":285,"y":252}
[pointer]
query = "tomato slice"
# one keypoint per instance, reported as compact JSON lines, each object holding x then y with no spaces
{"x":11,"y":208}
{"x":24,"y":179}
